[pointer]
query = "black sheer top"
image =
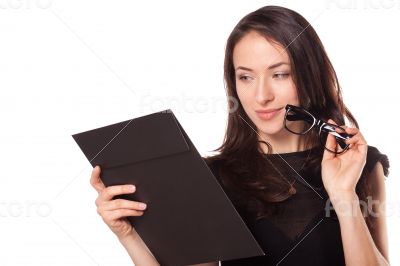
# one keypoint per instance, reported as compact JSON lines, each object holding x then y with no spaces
{"x":304,"y":230}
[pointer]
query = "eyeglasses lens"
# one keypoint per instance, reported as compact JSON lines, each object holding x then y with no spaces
{"x":298,"y":121}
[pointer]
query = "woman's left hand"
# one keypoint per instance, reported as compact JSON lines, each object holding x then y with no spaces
{"x":340,"y":173}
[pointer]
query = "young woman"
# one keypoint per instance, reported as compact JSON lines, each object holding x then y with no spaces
{"x":306,"y":199}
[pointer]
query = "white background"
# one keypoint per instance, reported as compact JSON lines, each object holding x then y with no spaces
{"x":70,"y":66}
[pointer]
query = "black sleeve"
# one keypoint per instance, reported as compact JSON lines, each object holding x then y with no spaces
{"x":374,"y":156}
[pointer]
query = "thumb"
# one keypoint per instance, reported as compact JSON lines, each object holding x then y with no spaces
{"x":330,"y":144}
{"x":95,"y":180}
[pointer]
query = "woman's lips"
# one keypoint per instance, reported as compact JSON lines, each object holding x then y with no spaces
{"x":268,"y":115}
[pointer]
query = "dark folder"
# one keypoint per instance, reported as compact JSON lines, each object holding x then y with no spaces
{"x":189,"y":219}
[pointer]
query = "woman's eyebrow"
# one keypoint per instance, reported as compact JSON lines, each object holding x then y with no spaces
{"x":277,"y":64}
{"x":270,"y":67}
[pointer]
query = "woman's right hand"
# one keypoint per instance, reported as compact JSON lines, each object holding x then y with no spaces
{"x":114,"y":211}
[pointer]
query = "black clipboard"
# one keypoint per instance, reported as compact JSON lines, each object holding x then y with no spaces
{"x":189,"y":219}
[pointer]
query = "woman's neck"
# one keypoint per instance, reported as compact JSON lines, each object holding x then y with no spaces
{"x":284,"y":142}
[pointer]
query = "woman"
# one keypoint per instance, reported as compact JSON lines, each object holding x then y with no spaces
{"x":304,"y":203}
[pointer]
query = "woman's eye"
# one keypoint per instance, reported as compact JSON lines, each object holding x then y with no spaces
{"x":244,"y":78}
{"x":280,"y":75}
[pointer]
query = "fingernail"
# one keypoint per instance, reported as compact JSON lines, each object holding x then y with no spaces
{"x":142,"y":205}
{"x":132,"y":188}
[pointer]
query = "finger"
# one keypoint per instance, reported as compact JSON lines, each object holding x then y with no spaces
{"x":332,"y":122}
{"x":123,"y":204}
{"x":362,"y":138}
{"x":95,"y":180}
{"x":338,"y":129}
{"x":357,"y":136}
{"x":120,"y":213}
{"x":351,"y":130}
{"x":353,"y":139}
{"x":359,"y":142}
{"x":109,"y":192}
{"x":363,"y":148}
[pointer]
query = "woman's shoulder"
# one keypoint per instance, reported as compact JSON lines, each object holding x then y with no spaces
{"x":374,"y":155}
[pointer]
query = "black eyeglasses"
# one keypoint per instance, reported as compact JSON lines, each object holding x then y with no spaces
{"x":299,"y":121}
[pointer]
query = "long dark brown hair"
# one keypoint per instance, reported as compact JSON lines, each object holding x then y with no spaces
{"x":245,"y":173}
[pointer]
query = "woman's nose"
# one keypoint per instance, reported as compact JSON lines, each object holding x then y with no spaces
{"x":264,"y":92}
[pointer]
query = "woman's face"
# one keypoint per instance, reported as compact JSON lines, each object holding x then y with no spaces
{"x":263,"y":81}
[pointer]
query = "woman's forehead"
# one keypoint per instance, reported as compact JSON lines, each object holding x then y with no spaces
{"x":256,"y":52}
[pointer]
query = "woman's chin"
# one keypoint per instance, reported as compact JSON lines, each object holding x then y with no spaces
{"x":271,"y":131}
